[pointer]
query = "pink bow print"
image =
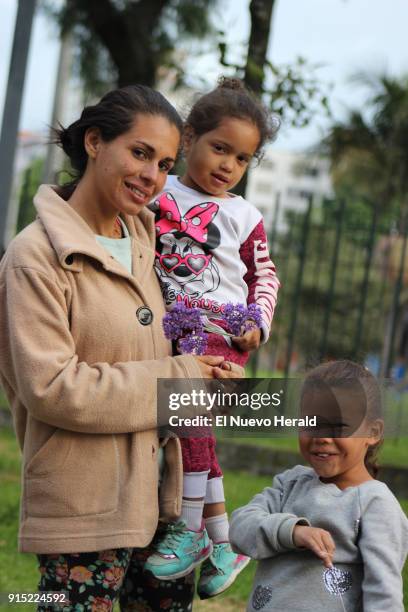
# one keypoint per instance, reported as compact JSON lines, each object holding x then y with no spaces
{"x":194,"y":223}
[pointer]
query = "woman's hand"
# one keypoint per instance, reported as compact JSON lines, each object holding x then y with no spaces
{"x":212,"y":366}
{"x":317,"y":540}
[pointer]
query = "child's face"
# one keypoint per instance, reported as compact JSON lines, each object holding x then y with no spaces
{"x":217,"y":160}
{"x":337,"y":450}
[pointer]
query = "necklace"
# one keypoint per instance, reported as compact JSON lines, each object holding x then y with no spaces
{"x":117,"y":230}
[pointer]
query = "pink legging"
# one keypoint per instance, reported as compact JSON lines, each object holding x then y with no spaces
{"x":199,"y":453}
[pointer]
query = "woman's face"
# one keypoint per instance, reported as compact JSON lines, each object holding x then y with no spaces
{"x":130,"y":170}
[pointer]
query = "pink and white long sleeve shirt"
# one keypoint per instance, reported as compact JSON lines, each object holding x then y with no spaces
{"x":211,"y":251}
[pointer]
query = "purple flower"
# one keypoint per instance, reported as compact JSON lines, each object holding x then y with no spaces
{"x":181,"y":321}
{"x":193,"y":344}
{"x":242,"y":318}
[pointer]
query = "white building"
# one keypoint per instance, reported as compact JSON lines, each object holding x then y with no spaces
{"x":30,"y":146}
{"x":284,"y":180}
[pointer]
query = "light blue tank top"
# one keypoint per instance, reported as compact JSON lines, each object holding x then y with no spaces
{"x":119,"y":248}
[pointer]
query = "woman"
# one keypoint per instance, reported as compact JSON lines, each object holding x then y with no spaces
{"x":82,"y":348}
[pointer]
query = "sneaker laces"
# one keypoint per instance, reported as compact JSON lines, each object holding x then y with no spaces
{"x":172,"y":537}
{"x":215,"y":557}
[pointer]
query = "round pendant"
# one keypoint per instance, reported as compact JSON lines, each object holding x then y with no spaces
{"x":144,"y":315}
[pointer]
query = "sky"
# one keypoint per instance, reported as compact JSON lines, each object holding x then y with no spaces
{"x":342,"y":36}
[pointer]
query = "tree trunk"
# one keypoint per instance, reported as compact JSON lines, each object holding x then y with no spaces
{"x":127,"y":34}
{"x":261,"y":19}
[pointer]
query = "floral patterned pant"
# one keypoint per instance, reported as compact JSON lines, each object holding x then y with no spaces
{"x":94,"y":581}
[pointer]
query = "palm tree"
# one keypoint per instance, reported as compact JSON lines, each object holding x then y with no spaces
{"x":369,"y":150}
{"x":369,"y":155}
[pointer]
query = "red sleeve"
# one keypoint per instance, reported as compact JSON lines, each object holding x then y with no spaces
{"x":261,"y":278}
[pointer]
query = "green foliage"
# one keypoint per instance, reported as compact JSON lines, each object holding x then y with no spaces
{"x":118,"y":42}
{"x":31,"y":181}
{"x":293,"y":91}
{"x":125,"y":42}
{"x":369,"y":151}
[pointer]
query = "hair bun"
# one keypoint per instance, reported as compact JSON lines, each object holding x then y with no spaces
{"x":230,"y":83}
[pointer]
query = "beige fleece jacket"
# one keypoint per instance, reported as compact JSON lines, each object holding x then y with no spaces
{"x":80,"y":373}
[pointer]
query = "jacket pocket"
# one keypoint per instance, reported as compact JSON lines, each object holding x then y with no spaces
{"x":172,"y":482}
{"x":73,"y":474}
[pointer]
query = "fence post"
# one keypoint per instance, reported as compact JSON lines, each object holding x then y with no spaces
{"x":298,"y":284}
{"x":392,"y":324}
{"x":364,"y":290}
{"x":326,"y":322}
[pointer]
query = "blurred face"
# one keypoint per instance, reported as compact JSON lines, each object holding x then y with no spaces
{"x":336,"y":460}
{"x":217,"y":160}
{"x":131,"y":169}
{"x":337,"y":449}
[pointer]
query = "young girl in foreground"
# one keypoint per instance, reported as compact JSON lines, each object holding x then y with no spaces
{"x":334,"y":512}
{"x":211,"y":250}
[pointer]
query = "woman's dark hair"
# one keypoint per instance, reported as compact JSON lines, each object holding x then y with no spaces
{"x":232,"y":99}
{"x":352,"y":376}
{"x":113,"y":115}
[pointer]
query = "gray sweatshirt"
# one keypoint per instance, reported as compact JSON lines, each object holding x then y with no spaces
{"x":368,"y":527}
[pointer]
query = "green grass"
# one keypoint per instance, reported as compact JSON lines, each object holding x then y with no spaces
{"x":18,"y":572}
{"x":393,"y":452}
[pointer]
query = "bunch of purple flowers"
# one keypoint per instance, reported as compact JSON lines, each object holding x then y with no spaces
{"x":241,"y":318}
{"x":188,"y":326}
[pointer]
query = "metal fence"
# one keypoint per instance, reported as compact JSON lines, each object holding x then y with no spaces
{"x":342,"y":284}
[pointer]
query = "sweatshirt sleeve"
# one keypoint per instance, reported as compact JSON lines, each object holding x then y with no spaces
{"x":261,"y":278}
{"x":55,"y":386}
{"x":383,"y":545}
{"x":260,"y":530}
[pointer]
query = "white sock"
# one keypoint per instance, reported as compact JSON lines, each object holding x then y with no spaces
{"x":214,"y":492}
{"x":192,"y":513}
{"x":195,"y":484}
{"x":218,"y":527}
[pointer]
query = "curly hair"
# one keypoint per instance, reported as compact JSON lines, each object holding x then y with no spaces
{"x":232,"y":99}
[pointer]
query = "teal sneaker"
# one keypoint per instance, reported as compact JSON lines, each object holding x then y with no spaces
{"x":178,"y":552}
{"x":220,"y":570}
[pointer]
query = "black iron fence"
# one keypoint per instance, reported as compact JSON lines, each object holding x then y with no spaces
{"x":342,"y":282}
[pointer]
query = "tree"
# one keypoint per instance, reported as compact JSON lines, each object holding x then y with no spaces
{"x":30,"y":182}
{"x":370,"y":158}
{"x":261,"y":12}
{"x":121,"y":42}
{"x":368,"y":151}
{"x":292,"y":91}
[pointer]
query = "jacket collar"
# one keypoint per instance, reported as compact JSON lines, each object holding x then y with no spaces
{"x":69,"y":234}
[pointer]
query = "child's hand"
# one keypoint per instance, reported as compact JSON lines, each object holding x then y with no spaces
{"x":317,"y":540}
{"x":250,"y":339}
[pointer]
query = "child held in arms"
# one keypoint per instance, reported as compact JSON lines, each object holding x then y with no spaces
{"x":212,"y":255}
